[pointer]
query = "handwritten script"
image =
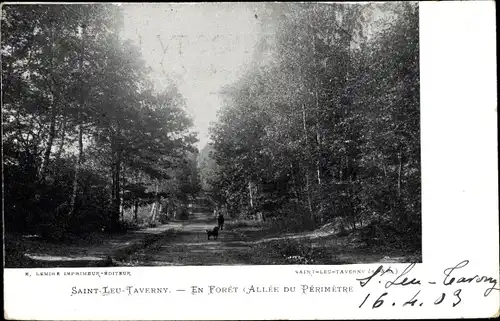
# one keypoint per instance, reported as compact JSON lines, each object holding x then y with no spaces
{"x":450,"y":276}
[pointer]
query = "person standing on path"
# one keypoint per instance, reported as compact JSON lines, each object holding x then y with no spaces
{"x":220,"y":220}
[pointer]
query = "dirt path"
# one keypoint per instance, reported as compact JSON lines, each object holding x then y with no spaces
{"x":175,"y":243}
{"x":189,"y":245}
{"x":252,"y":245}
{"x":186,"y":243}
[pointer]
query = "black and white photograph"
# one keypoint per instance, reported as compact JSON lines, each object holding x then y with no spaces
{"x":209,"y":134}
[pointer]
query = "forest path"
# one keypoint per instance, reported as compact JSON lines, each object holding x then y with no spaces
{"x":186,"y":243}
{"x":175,"y":243}
{"x":189,"y":244}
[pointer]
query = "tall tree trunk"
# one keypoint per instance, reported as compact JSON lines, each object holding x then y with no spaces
{"x":116,"y":165}
{"x":62,"y":130}
{"x":50,"y":141}
{"x":152,"y":212}
{"x":351,"y":194}
{"x":154,"y":206}
{"x":250,"y":194}
{"x":122,"y":192}
{"x":77,"y":167}
{"x":53,"y":111}
{"x":136,"y":209}
{"x":160,"y":207}
{"x":318,"y":161}
{"x":399,"y":174}
{"x":80,"y":131}
{"x":309,"y":201}
{"x":112,"y":171}
{"x":385,"y":172}
{"x":397,"y":204}
{"x":115,"y":186}
{"x":310,"y":218}
{"x":318,"y":120}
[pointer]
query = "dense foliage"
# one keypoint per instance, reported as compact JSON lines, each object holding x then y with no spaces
{"x":328,"y":127}
{"x":84,"y":134}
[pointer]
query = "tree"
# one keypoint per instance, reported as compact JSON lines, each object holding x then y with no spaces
{"x":322,"y":129}
{"x":72,"y":86}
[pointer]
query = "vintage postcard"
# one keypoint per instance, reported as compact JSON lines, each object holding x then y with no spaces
{"x":240,"y":161}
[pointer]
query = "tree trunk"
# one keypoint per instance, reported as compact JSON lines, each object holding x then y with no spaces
{"x":310,"y":218}
{"x":319,"y":162}
{"x":318,"y":119}
{"x":309,"y":201}
{"x":80,"y":131}
{"x":385,"y":172}
{"x":167,"y":210}
{"x":53,"y":113}
{"x":352,"y":208}
{"x":50,"y":141}
{"x":250,"y":194}
{"x":115,"y":200}
{"x":152,"y":212}
{"x":136,"y":209}
{"x":154,"y":206}
{"x":160,"y":206}
{"x":112,"y":171}
{"x":122,"y":192}
{"x":77,"y":168}
{"x":116,"y":188}
{"x":62,"y":129}
{"x":399,"y":174}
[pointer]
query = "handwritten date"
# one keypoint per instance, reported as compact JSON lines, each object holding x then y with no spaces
{"x":414,"y":301}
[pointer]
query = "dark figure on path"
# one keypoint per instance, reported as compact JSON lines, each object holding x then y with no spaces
{"x":220,"y":221}
{"x":214,"y":233}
